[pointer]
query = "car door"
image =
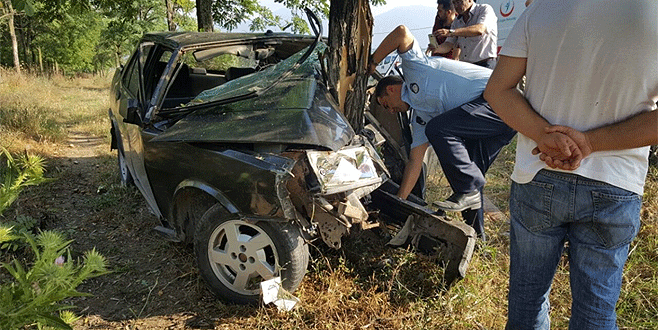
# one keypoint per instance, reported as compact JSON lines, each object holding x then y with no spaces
{"x":140,"y":75}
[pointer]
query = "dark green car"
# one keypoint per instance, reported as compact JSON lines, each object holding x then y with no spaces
{"x":238,"y":147}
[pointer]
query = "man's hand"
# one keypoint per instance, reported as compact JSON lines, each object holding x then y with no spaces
{"x":563,"y":147}
{"x":441,"y":33}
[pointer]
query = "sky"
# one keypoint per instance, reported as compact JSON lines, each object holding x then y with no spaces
{"x":376,"y":10}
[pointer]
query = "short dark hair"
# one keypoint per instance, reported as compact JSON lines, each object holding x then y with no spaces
{"x":447,"y":4}
{"x":380,"y":89}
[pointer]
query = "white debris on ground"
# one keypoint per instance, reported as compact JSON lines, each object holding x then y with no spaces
{"x":273,"y":292}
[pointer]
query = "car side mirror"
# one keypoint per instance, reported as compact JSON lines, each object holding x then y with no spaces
{"x":133,"y":114}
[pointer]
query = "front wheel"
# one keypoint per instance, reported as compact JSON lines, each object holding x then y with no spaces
{"x":234,"y":256}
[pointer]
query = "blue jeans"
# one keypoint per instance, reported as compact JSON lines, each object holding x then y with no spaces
{"x":597,"y":219}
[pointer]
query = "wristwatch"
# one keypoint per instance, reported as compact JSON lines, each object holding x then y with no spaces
{"x":451,"y":32}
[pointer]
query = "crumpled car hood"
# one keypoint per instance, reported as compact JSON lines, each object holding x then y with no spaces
{"x":296,"y":110}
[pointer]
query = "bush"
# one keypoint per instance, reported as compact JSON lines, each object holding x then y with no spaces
{"x":25,"y":170}
{"x":34,"y":295}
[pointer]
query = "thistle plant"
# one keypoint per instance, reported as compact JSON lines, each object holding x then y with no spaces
{"x":18,"y":173}
{"x":33,"y":296}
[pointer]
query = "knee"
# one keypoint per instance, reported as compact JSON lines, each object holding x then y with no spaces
{"x":435,"y":127}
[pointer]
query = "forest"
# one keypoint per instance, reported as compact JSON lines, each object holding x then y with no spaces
{"x":74,"y":37}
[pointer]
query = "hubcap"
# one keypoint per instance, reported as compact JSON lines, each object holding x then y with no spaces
{"x":242,"y":255}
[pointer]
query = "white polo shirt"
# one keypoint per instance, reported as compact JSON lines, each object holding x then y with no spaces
{"x":590,"y":64}
{"x":475,"y":49}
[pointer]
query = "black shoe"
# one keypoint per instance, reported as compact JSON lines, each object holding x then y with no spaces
{"x":460,"y":202}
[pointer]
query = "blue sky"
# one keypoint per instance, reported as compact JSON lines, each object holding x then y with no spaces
{"x":376,"y":10}
{"x":419,"y":28}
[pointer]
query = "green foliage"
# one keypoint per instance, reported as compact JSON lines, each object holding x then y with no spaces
{"x":25,"y":170}
{"x":229,"y":13}
{"x":34,"y":295}
{"x":73,"y":42}
{"x":24,"y":225}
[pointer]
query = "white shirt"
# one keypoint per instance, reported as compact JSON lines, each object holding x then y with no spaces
{"x":589,"y":64}
{"x":475,"y":49}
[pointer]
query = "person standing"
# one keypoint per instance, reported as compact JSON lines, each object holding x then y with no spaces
{"x":475,"y":32}
{"x":445,"y":15}
{"x":586,"y":120}
{"x":448,"y":112}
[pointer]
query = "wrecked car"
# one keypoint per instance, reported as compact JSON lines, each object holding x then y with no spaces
{"x":238,"y":147}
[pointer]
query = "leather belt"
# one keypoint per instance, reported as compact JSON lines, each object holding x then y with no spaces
{"x":481,"y":62}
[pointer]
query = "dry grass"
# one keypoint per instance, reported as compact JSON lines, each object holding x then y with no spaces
{"x":363,"y":286}
{"x":36,"y":111}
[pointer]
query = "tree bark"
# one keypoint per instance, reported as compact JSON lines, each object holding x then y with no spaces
{"x":350,"y":35}
{"x":170,"y":15}
{"x":204,"y":15}
{"x":12,"y":33}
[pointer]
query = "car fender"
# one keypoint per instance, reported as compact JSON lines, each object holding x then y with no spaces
{"x":210,"y":190}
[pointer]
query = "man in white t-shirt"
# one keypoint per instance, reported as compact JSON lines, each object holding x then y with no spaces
{"x":475,"y":32}
{"x":586,"y":120}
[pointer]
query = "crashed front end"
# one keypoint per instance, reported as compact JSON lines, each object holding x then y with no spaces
{"x":326,"y":189}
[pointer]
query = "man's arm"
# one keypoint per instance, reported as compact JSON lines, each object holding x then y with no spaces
{"x":510,"y":105}
{"x":637,"y":131}
{"x":412,"y":170}
{"x":399,"y":39}
{"x":467,"y":31}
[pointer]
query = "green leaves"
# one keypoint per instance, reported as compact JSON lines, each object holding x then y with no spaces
{"x":34,"y":294}
{"x":20,"y":172}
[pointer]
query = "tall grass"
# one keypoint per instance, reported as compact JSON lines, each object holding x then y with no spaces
{"x":45,"y":109}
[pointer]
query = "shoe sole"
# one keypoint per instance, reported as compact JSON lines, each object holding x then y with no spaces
{"x":459,"y":209}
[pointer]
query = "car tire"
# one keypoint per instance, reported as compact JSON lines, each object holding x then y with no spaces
{"x":124,"y":173}
{"x":234,"y":256}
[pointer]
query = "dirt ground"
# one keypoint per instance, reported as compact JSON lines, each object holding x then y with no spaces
{"x":154,"y":283}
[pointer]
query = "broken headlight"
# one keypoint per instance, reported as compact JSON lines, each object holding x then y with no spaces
{"x":343,"y":170}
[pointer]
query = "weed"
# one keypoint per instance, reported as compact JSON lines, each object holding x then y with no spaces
{"x":33,"y":295}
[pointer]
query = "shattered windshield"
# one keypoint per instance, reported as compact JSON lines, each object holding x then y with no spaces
{"x":258,"y":81}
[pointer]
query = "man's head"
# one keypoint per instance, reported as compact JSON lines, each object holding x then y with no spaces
{"x":388,"y":94}
{"x":446,"y":11}
{"x":462,"y":6}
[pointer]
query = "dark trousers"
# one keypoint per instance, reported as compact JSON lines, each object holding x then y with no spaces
{"x":467,"y":140}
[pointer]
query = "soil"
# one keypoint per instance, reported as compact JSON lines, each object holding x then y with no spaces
{"x":153,"y":283}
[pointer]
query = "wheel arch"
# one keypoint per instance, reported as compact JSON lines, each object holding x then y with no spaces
{"x":191,"y":200}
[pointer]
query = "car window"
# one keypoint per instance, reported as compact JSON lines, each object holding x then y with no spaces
{"x":212,"y":73}
{"x":156,"y":69}
{"x":131,"y":78}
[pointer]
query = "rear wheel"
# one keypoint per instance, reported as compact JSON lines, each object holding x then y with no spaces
{"x":124,"y":174}
{"x":234,"y":256}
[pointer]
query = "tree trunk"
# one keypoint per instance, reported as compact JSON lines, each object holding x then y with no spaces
{"x":12,"y":33}
{"x":204,"y":15}
{"x":350,"y":35}
{"x":170,"y":15}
